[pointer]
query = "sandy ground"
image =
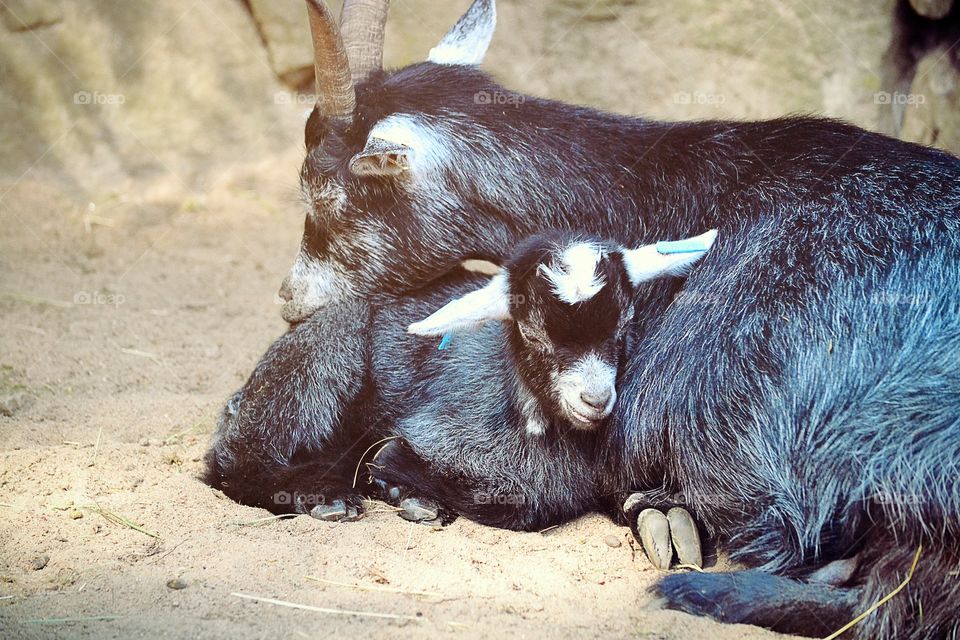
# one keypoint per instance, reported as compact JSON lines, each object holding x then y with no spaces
{"x":124,"y":328}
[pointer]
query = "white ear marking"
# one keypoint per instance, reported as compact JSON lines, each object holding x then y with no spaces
{"x":467,"y":42}
{"x":575,"y":279}
{"x":492,"y":302}
{"x":646,"y":263}
{"x":399,"y":143}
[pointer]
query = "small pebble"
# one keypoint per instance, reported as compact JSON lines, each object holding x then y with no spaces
{"x":612,"y":541}
{"x":76,"y":515}
{"x":40,"y":562}
{"x":177,"y":584}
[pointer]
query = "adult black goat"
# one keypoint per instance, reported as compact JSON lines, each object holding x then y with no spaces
{"x":799,"y":394}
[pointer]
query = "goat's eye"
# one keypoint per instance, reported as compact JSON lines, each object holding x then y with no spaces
{"x":534,"y":337}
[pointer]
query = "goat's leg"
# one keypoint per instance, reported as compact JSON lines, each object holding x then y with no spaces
{"x":922,"y":607}
{"x":763,"y":599}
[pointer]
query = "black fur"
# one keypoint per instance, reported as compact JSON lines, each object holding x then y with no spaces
{"x":452,"y":417}
{"x":799,"y":393}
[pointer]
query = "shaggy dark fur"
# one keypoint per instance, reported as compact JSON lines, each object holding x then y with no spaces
{"x":799,"y":393}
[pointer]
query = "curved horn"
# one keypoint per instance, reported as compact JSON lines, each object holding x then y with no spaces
{"x":363,"y":24}
{"x":335,"y":94}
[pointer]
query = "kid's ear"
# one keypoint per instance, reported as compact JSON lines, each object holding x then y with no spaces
{"x":666,"y":258}
{"x":489,"y":303}
{"x":467,"y":42}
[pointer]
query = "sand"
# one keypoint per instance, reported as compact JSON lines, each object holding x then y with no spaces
{"x":125,"y":326}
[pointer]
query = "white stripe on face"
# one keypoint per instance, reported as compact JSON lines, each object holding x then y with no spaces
{"x":573,"y":275}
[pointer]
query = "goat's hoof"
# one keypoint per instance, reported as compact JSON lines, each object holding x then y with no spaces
{"x":333,"y":512}
{"x":654,"y":530}
{"x":337,"y":511}
{"x":419,"y":510}
{"x":685,"y":537}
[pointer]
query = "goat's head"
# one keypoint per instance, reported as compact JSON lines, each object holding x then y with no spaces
{"x":391,"y":162}
{"x":569,"y":302}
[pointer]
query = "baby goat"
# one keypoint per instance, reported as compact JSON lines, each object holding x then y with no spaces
{"x":498,"y":425}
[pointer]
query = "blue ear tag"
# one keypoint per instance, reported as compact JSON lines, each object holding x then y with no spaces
{"x":693,"y":245}
{"x":445,"y":341}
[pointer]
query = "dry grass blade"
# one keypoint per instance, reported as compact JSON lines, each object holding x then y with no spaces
{"x":116,"y":518}
{"x":356,"y":471}
{"x":362,"y":587}
{"x":879,"y":603}
{"x":692,"y":567}
{"x":96,"y":446}
{"x":142,"y":354}
{"x":259,"y":521}
{"x":339,"y":612}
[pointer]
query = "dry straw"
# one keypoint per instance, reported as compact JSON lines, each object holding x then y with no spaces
{"x":879,"y":603}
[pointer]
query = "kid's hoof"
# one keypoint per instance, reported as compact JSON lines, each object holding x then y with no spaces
{"x":419,"y":510}
{"x":686,"y":538}
{"x":333,"y":512}
{"x":353,"y":514}
{"x":654,"y":530}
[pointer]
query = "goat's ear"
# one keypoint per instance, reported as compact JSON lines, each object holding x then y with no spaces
{"x":489,"y":303}
{"x":467,"y":42}
{"x":666,"y":258}
{"x":382,"y":158}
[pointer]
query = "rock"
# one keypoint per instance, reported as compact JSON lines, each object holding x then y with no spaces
{"x":931,"y":111}
{"x":15,"y":402}
{"x":39,"y":562}
{"x":145,"y":67}
{"x":612,"y":541}
{"x":76,"y":515}
{"x":933,"y":9}
{"x":177,"y":584}
{"x":283,"y":27}
{"x":25,"y":15}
